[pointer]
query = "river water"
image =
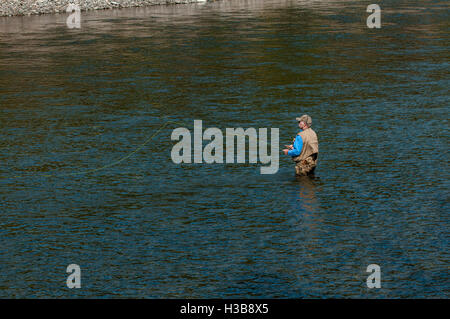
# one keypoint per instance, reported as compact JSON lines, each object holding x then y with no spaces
{"x":77,"y":188}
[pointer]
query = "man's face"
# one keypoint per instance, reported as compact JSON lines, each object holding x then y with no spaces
{"x":301,"y":125}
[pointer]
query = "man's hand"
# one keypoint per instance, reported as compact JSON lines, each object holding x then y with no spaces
{"x":285,"y":151}
{"x":290,"y":147}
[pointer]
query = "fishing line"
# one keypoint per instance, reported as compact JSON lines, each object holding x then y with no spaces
{"x":140,"y":147}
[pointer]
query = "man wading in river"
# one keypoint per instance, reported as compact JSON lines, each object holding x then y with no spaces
{"x":305,"y":148}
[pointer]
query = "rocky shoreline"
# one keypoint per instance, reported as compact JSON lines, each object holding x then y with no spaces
{"x":29,"y":7}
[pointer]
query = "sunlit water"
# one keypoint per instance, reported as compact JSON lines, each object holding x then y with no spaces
{"x":73,"y":100}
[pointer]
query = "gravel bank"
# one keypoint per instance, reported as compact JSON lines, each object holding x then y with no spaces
{"x":28,"y":7}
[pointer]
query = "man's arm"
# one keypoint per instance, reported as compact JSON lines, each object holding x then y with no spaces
{"x":298,"y":145}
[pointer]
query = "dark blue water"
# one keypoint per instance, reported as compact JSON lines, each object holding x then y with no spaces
{"x":73,"y":102}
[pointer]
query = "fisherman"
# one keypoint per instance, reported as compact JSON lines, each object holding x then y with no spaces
{"x":305,"y":149}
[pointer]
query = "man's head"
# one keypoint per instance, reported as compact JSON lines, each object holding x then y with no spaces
{"x":304,"y":121}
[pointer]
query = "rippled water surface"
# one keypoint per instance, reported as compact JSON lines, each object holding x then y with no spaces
{"x":73,"y":100}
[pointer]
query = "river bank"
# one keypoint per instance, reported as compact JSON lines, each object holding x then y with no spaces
{"x":29,"y":7}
